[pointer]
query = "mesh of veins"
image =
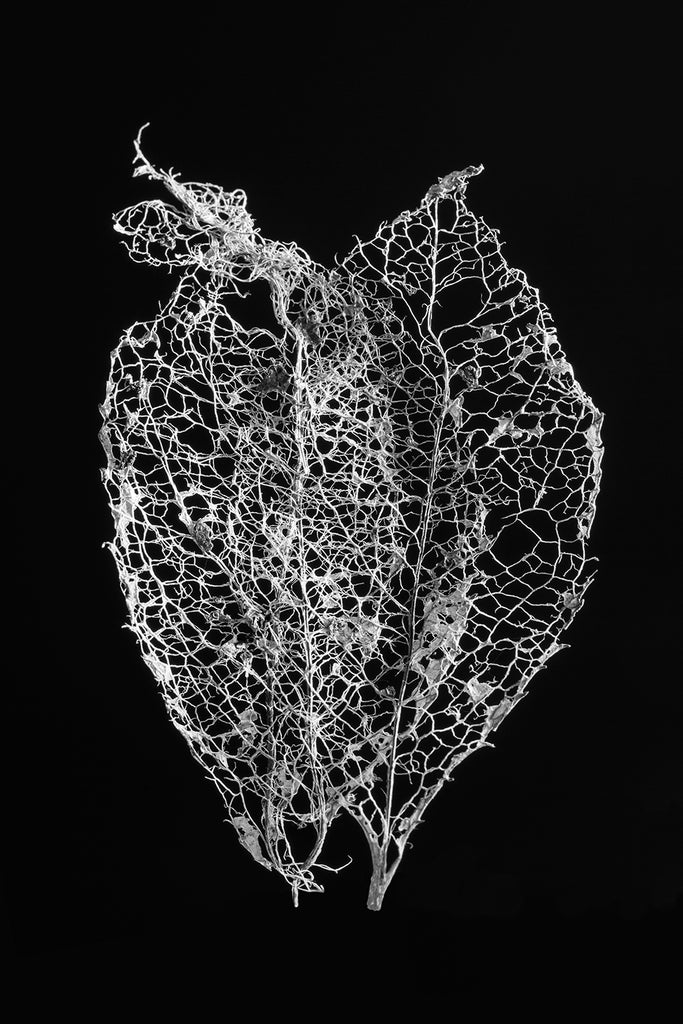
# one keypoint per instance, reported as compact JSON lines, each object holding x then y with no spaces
{"x":348,"y":540}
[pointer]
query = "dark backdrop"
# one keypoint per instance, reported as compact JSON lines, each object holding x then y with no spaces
{"x":333,"y":121}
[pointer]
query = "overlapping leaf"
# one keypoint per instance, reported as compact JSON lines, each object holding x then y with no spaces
{"x":348,"y":540}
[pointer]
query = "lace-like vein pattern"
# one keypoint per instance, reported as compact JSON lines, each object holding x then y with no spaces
{"x":349,"y":538}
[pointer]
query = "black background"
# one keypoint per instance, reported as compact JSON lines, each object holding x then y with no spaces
{"x":331,"y":121}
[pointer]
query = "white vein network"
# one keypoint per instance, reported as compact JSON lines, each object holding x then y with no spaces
{"x":348,"y":538}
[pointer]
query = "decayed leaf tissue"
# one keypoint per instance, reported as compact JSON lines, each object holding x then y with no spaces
{"x":349,"y":538}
